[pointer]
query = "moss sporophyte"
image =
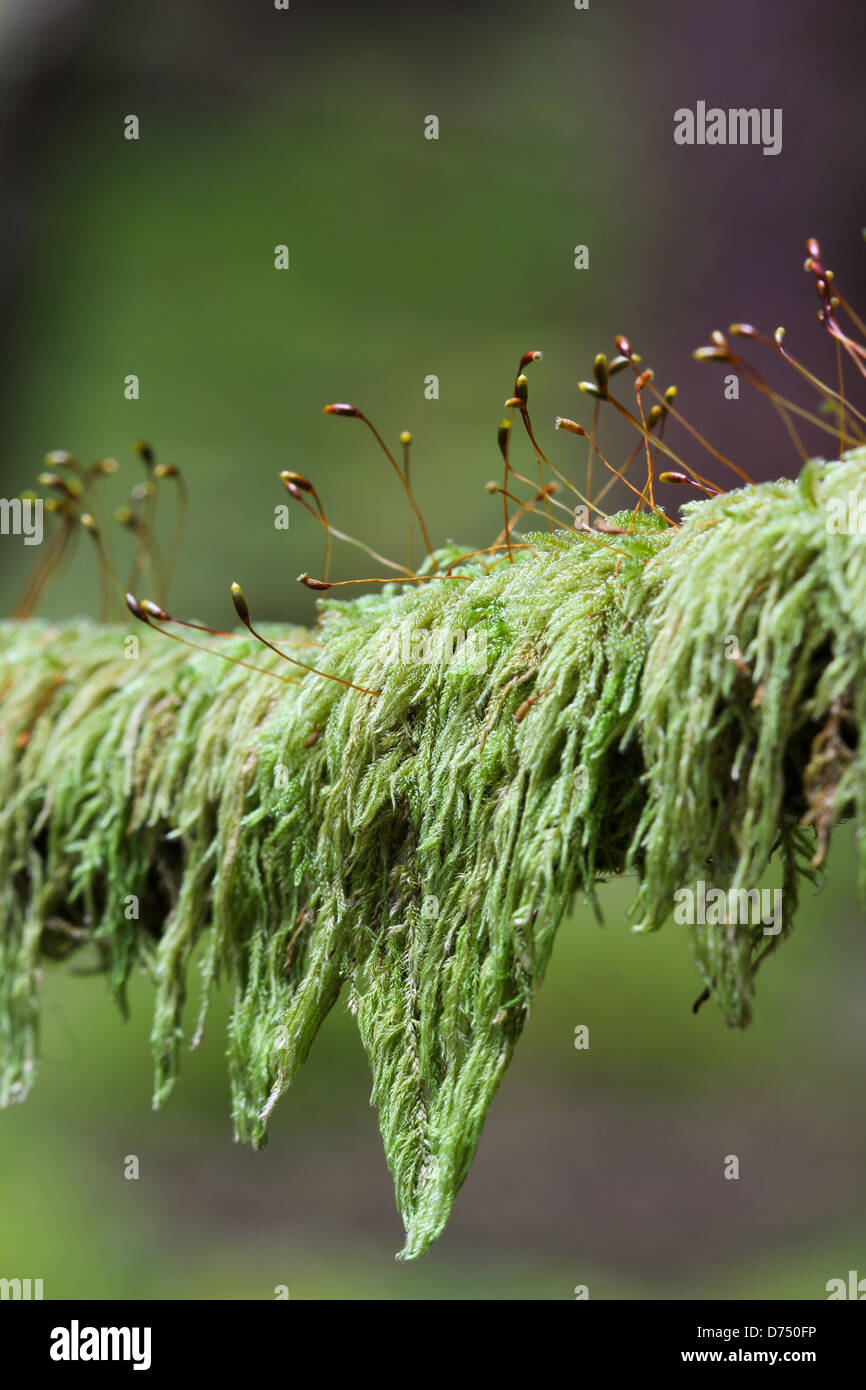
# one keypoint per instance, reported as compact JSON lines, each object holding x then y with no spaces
{"x":399,"y":805}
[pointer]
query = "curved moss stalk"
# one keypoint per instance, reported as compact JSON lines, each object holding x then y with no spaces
{"x":418,"y":850}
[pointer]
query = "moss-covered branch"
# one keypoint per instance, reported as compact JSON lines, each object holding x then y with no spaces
{"x":676,"y":704}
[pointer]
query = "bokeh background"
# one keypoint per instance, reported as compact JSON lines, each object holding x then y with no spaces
{"x":412,"y":257}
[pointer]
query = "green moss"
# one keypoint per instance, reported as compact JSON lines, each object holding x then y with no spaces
{"x":418,"y":850}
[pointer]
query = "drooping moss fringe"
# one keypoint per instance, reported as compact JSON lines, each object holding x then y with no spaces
{"x":676,"y":704}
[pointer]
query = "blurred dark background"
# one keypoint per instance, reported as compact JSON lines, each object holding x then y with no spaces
{"x":408,"y":258}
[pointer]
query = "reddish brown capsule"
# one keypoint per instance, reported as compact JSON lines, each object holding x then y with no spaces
{"x":523,"y":709}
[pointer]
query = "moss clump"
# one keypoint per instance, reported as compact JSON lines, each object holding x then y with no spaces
{"x":420,"y":849}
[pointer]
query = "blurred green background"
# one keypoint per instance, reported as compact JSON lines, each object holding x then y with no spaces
{"x":408,"y":258}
